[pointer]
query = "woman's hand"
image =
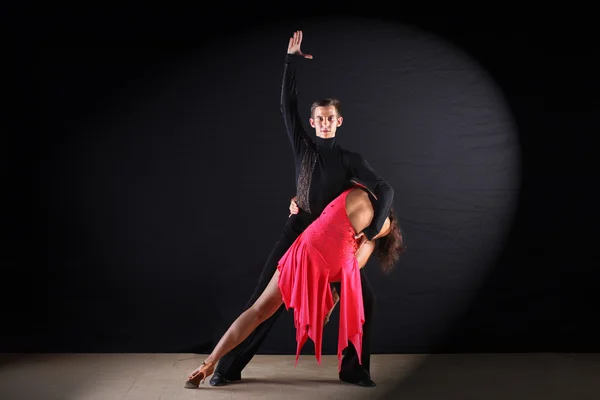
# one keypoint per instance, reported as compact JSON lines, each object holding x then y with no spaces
{"x":361,"y":238}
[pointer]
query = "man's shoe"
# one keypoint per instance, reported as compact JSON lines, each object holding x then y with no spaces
{"x":360,"y":380}
{"x":219,"y":380}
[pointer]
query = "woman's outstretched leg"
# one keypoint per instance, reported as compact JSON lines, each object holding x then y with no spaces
{"x":265,"y":306}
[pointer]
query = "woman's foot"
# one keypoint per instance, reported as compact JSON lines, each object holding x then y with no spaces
{"x":198,"y":376}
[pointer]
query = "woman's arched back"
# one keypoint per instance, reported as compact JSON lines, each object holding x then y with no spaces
{"x":360,"y":211}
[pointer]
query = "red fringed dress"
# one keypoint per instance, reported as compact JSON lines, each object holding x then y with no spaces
{"x":324,"y":253}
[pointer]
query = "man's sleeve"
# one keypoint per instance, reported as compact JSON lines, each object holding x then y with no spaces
{"x":289,"y":107}
{"x":383,"y":190}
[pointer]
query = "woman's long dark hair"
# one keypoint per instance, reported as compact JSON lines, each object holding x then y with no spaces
{"x":390,"y":246}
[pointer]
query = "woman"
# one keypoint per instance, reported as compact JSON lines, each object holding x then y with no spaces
{"x":327,"y":251}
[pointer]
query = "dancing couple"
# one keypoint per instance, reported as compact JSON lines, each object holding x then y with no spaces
{"x":344,"y":215}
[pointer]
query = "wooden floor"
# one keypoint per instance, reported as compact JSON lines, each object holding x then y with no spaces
{"x":440,"y":376}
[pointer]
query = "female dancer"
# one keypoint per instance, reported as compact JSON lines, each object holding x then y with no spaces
{"x":327,"y":251}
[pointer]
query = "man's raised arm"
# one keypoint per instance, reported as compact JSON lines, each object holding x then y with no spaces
{"x":289,"y":97}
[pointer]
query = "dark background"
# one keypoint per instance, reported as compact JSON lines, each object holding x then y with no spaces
{"x":141,"y":202}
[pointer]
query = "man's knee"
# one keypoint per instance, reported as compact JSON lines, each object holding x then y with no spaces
{"x":369,"y":301}
{"x":369,"y":298}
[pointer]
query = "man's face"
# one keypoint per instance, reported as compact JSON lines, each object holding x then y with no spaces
{"x":325,"y":121}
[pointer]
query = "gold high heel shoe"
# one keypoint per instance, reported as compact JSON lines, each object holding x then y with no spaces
{"x":197,"y":377}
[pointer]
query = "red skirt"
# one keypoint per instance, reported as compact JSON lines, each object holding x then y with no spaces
{"x":325,"y":252}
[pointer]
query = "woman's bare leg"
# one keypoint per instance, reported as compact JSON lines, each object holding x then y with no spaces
{"x":265,"y":306}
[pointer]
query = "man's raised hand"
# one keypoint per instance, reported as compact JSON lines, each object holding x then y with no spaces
{"x":294,"y":45}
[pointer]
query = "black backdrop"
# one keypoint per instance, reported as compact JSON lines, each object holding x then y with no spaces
{"x":148,"y":177}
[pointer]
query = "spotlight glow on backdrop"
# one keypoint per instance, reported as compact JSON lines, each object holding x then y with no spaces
{"x":173,"y":190}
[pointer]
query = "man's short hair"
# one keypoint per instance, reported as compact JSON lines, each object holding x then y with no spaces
{"x":330,"y":101}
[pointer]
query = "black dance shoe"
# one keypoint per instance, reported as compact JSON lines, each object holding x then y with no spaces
{"x":219,"y":380}
{"x":360,"y":379}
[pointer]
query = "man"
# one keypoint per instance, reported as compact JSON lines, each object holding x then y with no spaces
{"x":323,"y":171}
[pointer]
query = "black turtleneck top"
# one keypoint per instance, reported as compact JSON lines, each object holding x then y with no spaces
{"x":323,"y":169}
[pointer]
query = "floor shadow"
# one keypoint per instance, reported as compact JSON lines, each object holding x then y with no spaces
{"x":293,"y":381}
{"x":502,"y":376}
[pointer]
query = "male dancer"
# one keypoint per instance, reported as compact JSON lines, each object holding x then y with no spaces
{"x":323,"y":171}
